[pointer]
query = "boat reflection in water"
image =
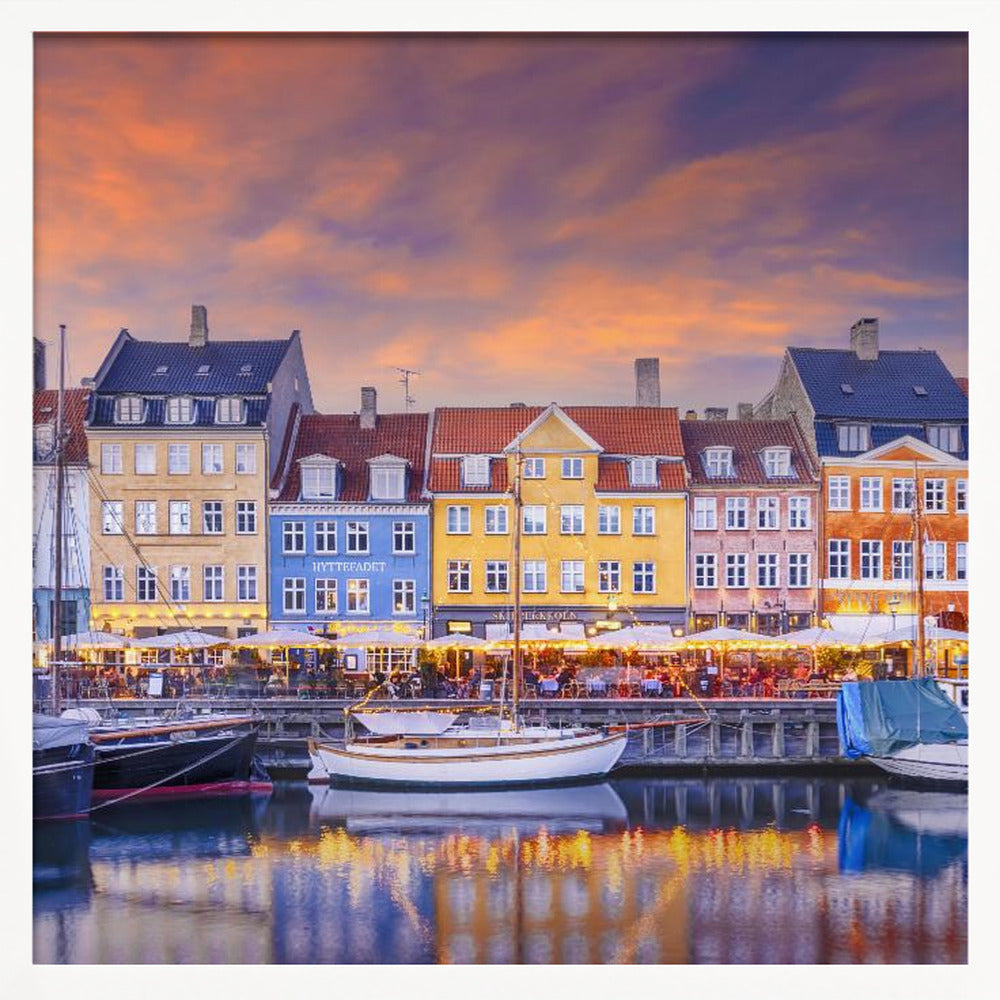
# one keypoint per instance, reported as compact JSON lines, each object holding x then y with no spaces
{"x":701,"y":871}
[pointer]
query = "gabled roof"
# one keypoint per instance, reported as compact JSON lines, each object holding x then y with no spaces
{"x":340,"y":436}
{"x":897,"y":385}
{"x":75,"y":403}
{"x":155,"y":409}
{"x":555,"y":411}
{"x":911,"y":445}
{"x":748,"y":440}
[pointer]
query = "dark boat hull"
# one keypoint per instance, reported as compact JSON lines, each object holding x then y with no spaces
{"x":62,"y":782}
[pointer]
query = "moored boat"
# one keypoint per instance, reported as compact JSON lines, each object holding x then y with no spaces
{"x":62,"y":768}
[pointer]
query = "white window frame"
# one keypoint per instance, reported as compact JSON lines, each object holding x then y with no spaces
{"x":248,"y":514}
{"x":768,"y":570}
{"x":571,"y":519}
{"x":643,"y":520}
{"x":872,"y":494}
{"x":145,"y":517}
{"x":229,"y":410}
{"x":359,"y":594}
{"x":323,"y":533}
{"x":179,"y":517}
{"x":457,"y":573}
{"x":246,"y":583}
{"x":180,"y":584}
{"x":799,"y":513}
{"x":293,"y":537}
{"x":319,"y":482}
{"x":458,"y":520}
{"x":945,"y":437}
{"x":799,"y":570}
{"x":113,"y":579}
{"x":213,"y":583}
{"x":904,"y":494}
{"x":534,"y":519}
{"x":572,"y":467}
{"x":206,"y":514}
{"x":777,"y":463}
{"x":609,"y":519}
{"x":112,"y":517}
{"x":706,"y":571}
{"x":642,"y":472}
{"x":497,"y":573}
{"x":404,"y":538}
{"x":609,"y":576}
{"x":496,"y":520}
{"x":571,"y":570}
{"x":644,"y":576}
{"x":871,"y":558}
{"x":213,"y":458}
{"x":111,"y":459}
{"x":128,"y":410}
{"x":354,"y":533}
{"x":325,"y":596}
{"x":476,"y":470}
{"x":706,"y":514}
{"x":533,"y":468}
{"x":535,"y":576}
{"x":935,"y":561}
{"x":838,"y":488}
{"x":719,"y":463}
{"x":962,"y":561}
{"x":178,"y":459}
{"x":737,"y":509}
{"x":841,"y":558}
{"x":902,"y":560}
{"x":853,"y":437}
{"x":141,"y":465}
{"x":935,"y":496}
{"x":246,"y":458}
{"x":961,"y":496}
{"x":404,"y":592}
{"x":737,"y":571}
{"x":145,"y":584}
{"x":179,"y":410}
{"x":768,"y":513}
{"x":293,"y":595}
{"x":387,"y":481}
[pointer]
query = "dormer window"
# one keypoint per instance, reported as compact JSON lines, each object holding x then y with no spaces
{"x":853,"y":437}
{"x":203,"y":370}
{"x":45,"y":438}
{"x":229,"y":410}
{"x":180,"y":410}
{"x":642,"y":471}
{"x":160,"y":370}
{"x":319,"y":480}
{"x":777,"y":462}
{"x":947,"y":437}
{"x":128,"y":410}
{"x":476,"y":470}
{"x":388,"y":478}
{"x":719,"y":462}
{"x":246,"y":369}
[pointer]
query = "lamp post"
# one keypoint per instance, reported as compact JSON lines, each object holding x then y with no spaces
{"x":425,"y":607}
{"x":893,"y":604}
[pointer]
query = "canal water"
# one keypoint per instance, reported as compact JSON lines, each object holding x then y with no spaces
{"x":723,"y":870}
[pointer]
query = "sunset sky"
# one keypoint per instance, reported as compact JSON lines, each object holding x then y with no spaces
{"x":516,"y":217}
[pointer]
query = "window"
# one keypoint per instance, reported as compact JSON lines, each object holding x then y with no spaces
{"x":798,"y":569}
{"x":961,"y":561}
{"x":871,"y":492}
{"x":319,"y":482}
{"x":293,"y":595}
{"x":902,"y":560}
{"x":246,"y":583}
{"x":496,"y":521}
{"x":643,"y":578}
{"x":777,"y":462}
{"x":111,"y":459}
{"x":934,"y":561}
{"x":476,"y":470}
{"x":871,"y":560}
{"x":609,"y":577}
{"x":852,"y":437}
{"x":326,"y":537}
{"x":178,"y":459}
{"x":387,"y":481}
{"x":705,"y":570}
{"x":736,"y":513}
{"x":609,"y":520}
{"x":767,"y":569}
{"x":534,"y":576}
{"x":736,"y":570}
{"x":357,"y":536}
{"x":839,"y":493}
{"x":459,"y":576}
{"x":458,"y":520}
{"x":180,"y":517}
{"x":962,"y":496}
{"x":114,"y":583}
{"x":229,"y":410}
{"x":357,"y":597}
{"x":571,"y":576}
{"x":572,"y":468}
{"x":145,"y":459}
{"x":497,"y":577}
{"x":293,"y":536}
{"x":203,"y":370}
{"x":705,"y":514}
{"x":246,"y":517}
{"x":145,"y":517}
{"x":112,"y":517}
{"x":326,"y":596}
{"x":533,"y":468}
{"x":180,"y":583}
{"x":180,"y":410}
{"x":903,"y":495}
{"x":571,"y":519}
{"x":404,"y":597}
{"x":213,"y":583}
{"x":719,"y":462}
{"x":533,"y":519}
{"x":642,"y":472}
{"x":839,"y":558}
{"x":799,"y":513}
{"x":145,"y":583}
{"x":211,"y":459}
{"x":211,"y":517}
{"x":128,"y":410}
{"x":643,"y":520}
{"x":404,"y":537}
{"x":767,"y":513}
{"x":934,"y":496}
{"x":246,"y":459}
{"x":947,"y":437}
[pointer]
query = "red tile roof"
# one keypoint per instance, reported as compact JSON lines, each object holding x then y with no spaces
{"x":340,"y":436}
{"x":613,"y":477}
{"x":75,"y":403}
{"x":963,"y":384}
{"x":446,"y":477}
{"x":747,"y":438}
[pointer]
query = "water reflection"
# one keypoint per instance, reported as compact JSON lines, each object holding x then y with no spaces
{"x":723,"y":870}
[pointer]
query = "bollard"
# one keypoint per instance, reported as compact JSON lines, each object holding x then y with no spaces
{"x":778,"y":739}
{"x":714,"y":738}
{"x":746,"y":738}
{"x":812,"y":739}
{"x":680,"y":741}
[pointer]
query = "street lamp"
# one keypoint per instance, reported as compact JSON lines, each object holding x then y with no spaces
{"x":425,"y":607}
{"x":893,"y":604}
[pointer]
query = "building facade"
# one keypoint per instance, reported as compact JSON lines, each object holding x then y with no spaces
{"x":181,"y":445}
{"x":753,"y":514}
{"x":603,"y":519}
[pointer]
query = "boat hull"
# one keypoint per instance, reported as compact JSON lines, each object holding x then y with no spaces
{"x":946,"y":763}
{"x":62,"y":782}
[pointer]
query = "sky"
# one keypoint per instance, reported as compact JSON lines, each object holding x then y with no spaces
{"x":517,"y":218}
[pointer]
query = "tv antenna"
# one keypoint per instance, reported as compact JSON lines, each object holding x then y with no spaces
{"x":404,"y":381}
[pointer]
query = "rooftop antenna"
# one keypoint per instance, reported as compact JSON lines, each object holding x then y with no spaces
{"x":404,"y":381}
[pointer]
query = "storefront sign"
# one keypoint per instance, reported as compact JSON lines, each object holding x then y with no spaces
{"x":464,"y":628}
{"x":349,"y":566}
{"x":532,"y":615}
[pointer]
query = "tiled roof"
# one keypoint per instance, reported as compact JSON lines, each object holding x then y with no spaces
{"x":613,"y":477}
{"x":446,"y":477}
{"x":154,"y":413}
{"x":826,"y":437}
{"x":340,"y":436}
{"x":134,"y":367}
{"x":75,"y":402}
{"x":620,"y":430}
{"x":883,"y":389}
{"x":747,"y":438}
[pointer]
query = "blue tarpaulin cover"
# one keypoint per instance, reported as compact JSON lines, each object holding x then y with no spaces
{"x":876,"y":718}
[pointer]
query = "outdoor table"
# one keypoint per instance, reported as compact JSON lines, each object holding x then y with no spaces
{"x":548,"y":686}
{"x":652,"y":686}
{"x":596,"y":687}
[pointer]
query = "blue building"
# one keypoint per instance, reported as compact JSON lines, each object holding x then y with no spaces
{"x":349,"y":531}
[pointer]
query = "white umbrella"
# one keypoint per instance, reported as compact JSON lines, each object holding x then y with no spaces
{"x":186,"y":639}
{"x":816,"y":636}
{"x":92,"y":640}
{"x":909,"y":634}
{"x":378,"y":637}
{"x":457,"y":640}
{"x":726,"y":636}
{"x":282,"y":638}
{"x":648,"y":636}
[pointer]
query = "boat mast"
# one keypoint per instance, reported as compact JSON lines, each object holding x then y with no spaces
{"x":516,"y":668}
{"x":58,"y":529}
{"x":918,"y":569}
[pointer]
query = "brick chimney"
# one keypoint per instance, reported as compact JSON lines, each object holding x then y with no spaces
{"x":744,"y":411}
{"x":39,"y":364}
{"x":864,"y":338}
{"x":368,"y":407}
{"x":647,"y":381}
{"x":691,"y":415}
{"x":199,"y":327}
{"x":716,"y":412}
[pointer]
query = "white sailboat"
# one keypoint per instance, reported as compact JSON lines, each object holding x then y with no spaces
{"x":504,"y":752}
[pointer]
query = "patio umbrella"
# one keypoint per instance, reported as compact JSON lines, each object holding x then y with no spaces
{"x":457,"y":641}
{"x":731,"y":638}
{"x":909,"y":634}
{"x":647,"y":636}
{"x":818,"y":637}
{"x":92,"y":640}
{"x":186,"y":639}
{"x":282,"y":638}
{"x":378,"y":637}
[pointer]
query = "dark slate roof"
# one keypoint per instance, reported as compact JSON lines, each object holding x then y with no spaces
{"x":154,"y":409}
{"x":826,"y":437}
{"x":75,"y":402}
{"x":883,"y":388}
{"x":134,"y":367}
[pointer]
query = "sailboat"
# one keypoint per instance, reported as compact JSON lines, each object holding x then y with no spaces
{"x":502,"y":752}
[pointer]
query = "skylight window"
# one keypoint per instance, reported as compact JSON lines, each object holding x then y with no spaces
{"x":919,"y":390}
{"x":160,"y":370}
{"x":847,"y":389}
{"x":246,"y":369}
{"x":203,"y":369}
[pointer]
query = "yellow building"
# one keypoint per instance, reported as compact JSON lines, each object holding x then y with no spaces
{"x":603,"y":533}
